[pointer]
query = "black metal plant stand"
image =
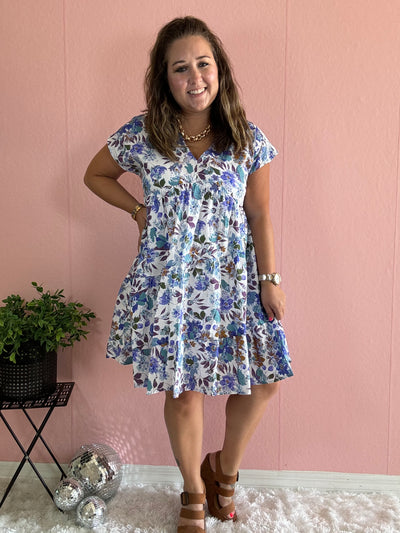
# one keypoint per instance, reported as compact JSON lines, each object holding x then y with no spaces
{"x":59,"y":398}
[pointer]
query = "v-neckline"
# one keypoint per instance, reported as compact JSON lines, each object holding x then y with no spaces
{"x":191,"y":154}
{"x":197,"y":159}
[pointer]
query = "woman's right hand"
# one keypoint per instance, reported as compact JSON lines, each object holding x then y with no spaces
{"x":141,"y":219}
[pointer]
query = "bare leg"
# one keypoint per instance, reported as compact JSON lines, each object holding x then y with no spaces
{"x":184,"y":421}
{"x":243,"y":413}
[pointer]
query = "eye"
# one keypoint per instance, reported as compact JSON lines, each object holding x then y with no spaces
{"x":180,"y":69}
{"x":203,"y":64}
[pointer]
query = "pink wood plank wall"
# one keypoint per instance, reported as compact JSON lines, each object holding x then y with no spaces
{"x":323,"y":81}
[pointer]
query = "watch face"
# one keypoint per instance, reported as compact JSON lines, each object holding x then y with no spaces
{"x":276,"y":279}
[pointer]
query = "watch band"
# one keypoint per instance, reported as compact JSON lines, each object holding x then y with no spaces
{"x":136,"y":211}
{"x":274,"y":278}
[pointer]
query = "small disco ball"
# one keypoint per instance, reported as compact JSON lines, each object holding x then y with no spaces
{"x":91,"y":512}
{"x":98,"y":467}
{"x":68,"y":493}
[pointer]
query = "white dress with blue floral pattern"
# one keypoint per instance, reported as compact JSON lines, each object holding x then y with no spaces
{"x":188,"y":315}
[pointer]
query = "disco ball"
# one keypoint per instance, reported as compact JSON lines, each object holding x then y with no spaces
{"x":98,"y":467}
{"x":91,"y":512}
{"x":68,"y":493}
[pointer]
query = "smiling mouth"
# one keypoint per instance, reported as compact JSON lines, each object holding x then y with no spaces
{"x":197,"y":91}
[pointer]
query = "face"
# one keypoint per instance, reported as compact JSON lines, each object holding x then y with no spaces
{"x":192,"y":74}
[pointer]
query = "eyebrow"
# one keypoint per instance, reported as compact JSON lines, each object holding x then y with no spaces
{"x":183,"y":61}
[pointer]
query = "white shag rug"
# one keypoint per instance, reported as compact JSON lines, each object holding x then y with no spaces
{"x":154,"y":509}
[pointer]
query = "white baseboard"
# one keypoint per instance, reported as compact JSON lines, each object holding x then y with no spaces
{"x":286,"y":479}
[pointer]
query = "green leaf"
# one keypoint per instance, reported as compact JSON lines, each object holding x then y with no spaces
{"x":46,"y":320}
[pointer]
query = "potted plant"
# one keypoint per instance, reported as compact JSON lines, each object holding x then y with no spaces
{"x":30,"y":334}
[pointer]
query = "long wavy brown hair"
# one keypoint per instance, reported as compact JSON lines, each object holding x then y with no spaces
{"x":228,"y":118}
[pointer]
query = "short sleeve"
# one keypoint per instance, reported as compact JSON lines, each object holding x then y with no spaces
{"x":127,"y":145}
{"x":263,"y":150}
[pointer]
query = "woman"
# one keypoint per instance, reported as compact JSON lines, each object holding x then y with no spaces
{"x":199,"y":311}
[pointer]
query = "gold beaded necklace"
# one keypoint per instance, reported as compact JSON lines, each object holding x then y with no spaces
{"x":193,"y":138}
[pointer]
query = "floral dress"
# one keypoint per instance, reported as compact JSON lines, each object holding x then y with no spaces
{"x":188,"y":315}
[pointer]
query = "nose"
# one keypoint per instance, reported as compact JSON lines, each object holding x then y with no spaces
{"x":195,"y":75}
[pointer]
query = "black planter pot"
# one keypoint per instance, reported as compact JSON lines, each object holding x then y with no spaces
{"x":28,"y":381}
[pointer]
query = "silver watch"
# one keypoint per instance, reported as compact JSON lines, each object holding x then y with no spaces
{"x":274,"y":278}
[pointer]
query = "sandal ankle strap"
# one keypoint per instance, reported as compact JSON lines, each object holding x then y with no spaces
{"x":221,"y":491}
{"x":187,"y":498}
{"x":192,"y":515}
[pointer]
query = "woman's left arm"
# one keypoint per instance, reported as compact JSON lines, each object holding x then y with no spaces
{"x":256,"y":206}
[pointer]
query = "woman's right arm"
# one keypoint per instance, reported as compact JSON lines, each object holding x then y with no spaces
{"x":102,"y":178}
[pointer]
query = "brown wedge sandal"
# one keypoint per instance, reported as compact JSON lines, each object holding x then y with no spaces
{"x":213,"y":482}
{"x":188,"y":498}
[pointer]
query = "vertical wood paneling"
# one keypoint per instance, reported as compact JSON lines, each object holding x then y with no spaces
{"x":322,"y":80}
{"x":34,"y":189}
{"x":342,"y":101}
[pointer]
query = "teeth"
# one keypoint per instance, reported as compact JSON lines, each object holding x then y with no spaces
{"x":197,"y":91}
